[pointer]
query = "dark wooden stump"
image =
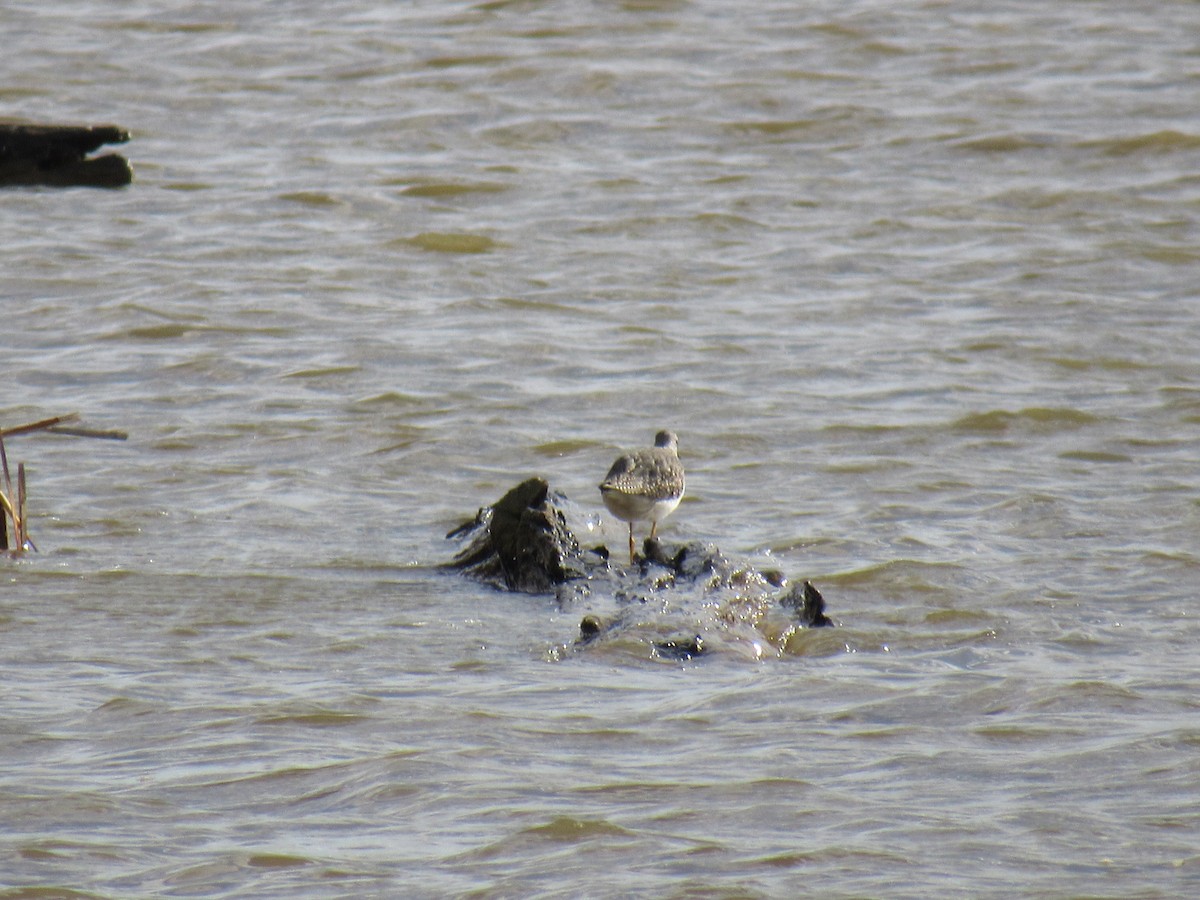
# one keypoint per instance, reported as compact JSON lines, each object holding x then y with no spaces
{"x":57,"y":155}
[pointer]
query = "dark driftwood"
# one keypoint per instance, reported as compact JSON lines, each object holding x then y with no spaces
{"x":57,"y":155}
{"x":523,"y":543}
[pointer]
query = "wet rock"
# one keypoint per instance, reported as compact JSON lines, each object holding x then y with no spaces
{"x":808,"y":604}
{"x":57,"y":155}
{"x":521,"y":543}
{"x":680,"y":648}
{"x":678,"y":602}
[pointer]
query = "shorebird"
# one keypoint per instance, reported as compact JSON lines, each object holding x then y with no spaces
{"x":645,"y":484}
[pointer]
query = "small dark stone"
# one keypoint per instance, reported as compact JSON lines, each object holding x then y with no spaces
{"x":774,"y":577}
{"x":680,"y":648}
{"x":696,"y":559}
{"x":653,"y":553}
{"x":808,"y":604}
{"x":589,"y":628}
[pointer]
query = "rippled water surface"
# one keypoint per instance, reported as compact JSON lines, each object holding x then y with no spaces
{"x":916,"y":285}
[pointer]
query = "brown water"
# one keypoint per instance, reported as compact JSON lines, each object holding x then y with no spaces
{"x":916,"y":286}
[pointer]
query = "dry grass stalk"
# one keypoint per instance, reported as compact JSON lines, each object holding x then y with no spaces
{"x":12,"y":507}
{"x":15,"y":540}
{"x":40,"y":425}
{"x":58,"y":425}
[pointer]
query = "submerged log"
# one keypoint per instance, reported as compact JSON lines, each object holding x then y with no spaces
{"x":57,"y":155}
{"x":680,"y":600}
